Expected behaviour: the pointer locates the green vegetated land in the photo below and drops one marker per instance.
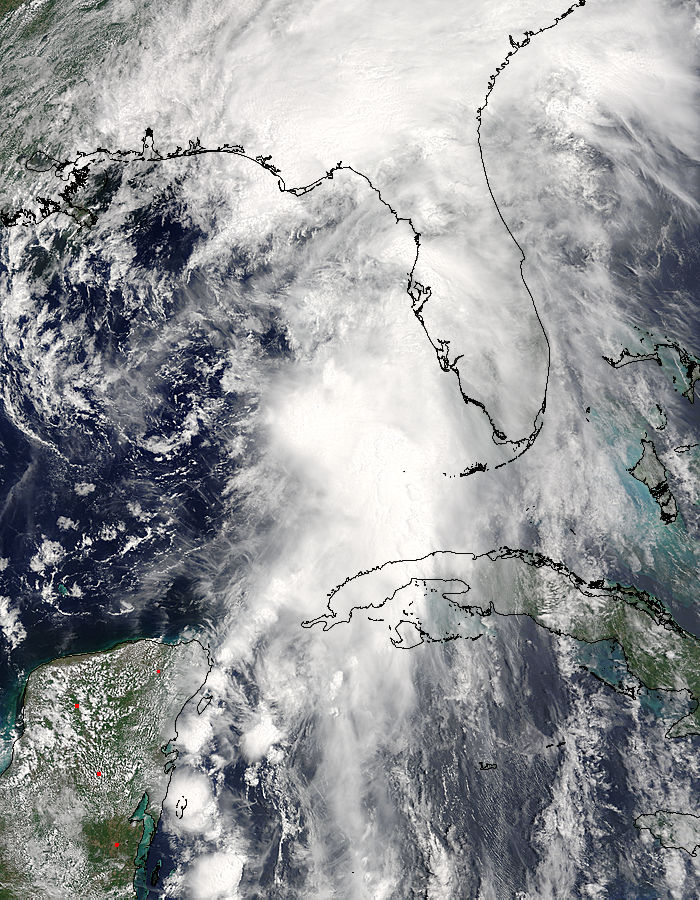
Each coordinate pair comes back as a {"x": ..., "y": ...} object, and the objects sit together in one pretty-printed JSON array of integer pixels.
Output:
[
  {"x": 90, "y": 772},
  {"x": 7, "y": 6},
  {"x": 448, "y": 595},
  {"x": 651, "y": 472},
  {"x": 674, "y": 830},
  {"x": 683, "y": 366}
]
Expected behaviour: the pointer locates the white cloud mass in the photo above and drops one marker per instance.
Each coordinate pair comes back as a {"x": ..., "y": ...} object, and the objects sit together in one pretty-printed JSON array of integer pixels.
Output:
[{"x": 310, "y": 763}]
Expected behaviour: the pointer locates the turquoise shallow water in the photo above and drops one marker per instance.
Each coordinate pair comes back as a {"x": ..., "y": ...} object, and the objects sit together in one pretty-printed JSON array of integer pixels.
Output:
[
  {"x": 606, "y": 661},
  {"x": 141, "y": 858},
  {"x": 12, "y": 693},
  {"x": 668, "y": 562}
]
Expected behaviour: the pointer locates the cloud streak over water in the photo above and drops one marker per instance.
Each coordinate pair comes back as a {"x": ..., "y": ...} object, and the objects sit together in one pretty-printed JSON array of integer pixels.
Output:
[{"x": 330, "y": 764}]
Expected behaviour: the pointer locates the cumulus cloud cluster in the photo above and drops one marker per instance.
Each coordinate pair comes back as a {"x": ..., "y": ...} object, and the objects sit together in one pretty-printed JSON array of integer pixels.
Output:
[{"x": 331, "y": 764}]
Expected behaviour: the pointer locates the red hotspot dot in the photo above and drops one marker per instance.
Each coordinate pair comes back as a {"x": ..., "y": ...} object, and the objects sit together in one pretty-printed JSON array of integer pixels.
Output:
[
  {"x": 99, "y": 773},
  {"x": 77, "y": 705},
  {"x": 157, "y": 671},
  {"x": 116, "y": 843}
]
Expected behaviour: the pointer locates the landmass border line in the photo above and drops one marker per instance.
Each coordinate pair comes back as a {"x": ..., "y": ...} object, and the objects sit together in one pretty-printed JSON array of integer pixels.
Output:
[
  {"x": 75, "y": 173},
  {"x": 19, "y": 719},
  {"x": 673, "y": 812},
  {"x": 516, "y": 46},
  {"x": 647, "y": 604}
]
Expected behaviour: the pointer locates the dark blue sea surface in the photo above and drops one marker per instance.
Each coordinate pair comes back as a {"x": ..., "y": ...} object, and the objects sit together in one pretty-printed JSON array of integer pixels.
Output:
[
  {"x": 661, "y": 283},
  {"x": 474, "y": 773},
  {"x": 130, "y": 482}
]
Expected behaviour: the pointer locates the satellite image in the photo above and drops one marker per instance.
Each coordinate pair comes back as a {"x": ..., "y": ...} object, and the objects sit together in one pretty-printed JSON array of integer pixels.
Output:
[{"x": 349, "y": 450}]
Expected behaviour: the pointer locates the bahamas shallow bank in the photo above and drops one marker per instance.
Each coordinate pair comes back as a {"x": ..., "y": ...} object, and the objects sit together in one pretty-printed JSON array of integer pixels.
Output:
[{"x": 218, "y": 404}]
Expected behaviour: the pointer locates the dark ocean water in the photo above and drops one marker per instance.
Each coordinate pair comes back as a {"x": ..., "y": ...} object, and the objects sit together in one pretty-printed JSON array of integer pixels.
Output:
[
  {"x": 157, "y": 588},
  {"x": 148, "y": 485},
  {"x": 657, "y": 271},
  {"x": 476, "y": 773}
]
